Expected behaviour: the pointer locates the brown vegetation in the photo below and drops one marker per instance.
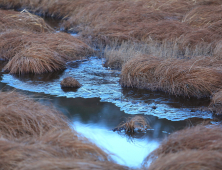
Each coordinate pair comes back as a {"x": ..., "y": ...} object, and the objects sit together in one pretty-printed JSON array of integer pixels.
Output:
[
  {"x": 203, "y": 16},
  {"x": 35, "y": 59},
  {"x": 189, "y": 160},
  {"x": 22, "y": 20},
  {"x": 21, "y": 116},
  {"x": 196, "y": 147},
  {"x": 70, "y": 82},
  {"x": 39, "y": 53},
  {"x": 216, "y": 103},
  {"x": 138, "y": 123},
  {"x": 197, "y": 77},
  {"x": 199, "y": 137},
  {"x": 34, "y": 136}
]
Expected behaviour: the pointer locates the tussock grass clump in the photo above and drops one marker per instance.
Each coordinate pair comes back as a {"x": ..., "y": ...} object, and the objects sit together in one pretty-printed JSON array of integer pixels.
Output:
[
  {"x": 23, "y": 20},
  {"x": 35, "y": 59},
  {"x": 136, "y": 123},
  {"x": 70, "y": 82},
  {"x": 199, "y": 137},
  {"x": 21, "y": 116},
  {"x": 197, "y": 77},
  {"x": 189, "y": 160},
  {"x": 39, "y": 53}
]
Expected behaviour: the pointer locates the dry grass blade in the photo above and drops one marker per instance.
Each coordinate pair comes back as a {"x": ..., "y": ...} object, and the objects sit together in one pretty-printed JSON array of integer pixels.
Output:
[{"x": 136, "y": 123}]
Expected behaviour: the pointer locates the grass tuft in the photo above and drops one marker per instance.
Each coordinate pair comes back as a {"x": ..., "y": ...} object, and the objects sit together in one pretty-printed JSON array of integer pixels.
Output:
[
  {"x": 198, "y": 77},
  {"x": 136, "y": 123},
  {"x": 70, "y": 82}
]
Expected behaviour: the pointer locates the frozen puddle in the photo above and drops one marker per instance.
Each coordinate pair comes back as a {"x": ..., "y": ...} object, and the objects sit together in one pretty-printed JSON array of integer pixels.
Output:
[{"x": 102, "y": 82}]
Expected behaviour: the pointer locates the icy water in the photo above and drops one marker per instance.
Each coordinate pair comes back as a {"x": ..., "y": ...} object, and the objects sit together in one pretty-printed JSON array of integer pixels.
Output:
[{"x": 101, "y": 104}]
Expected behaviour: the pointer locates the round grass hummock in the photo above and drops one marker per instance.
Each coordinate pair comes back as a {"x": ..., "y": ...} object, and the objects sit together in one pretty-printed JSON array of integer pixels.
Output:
[{"x": 70, "y": 82}]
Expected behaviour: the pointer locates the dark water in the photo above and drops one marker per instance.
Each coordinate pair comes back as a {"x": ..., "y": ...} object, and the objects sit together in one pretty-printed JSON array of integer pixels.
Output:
[{"x": 101, "y": 104}]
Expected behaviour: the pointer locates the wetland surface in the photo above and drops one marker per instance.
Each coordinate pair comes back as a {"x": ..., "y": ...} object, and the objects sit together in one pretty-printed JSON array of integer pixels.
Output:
[{"x": 101, "y": 104}]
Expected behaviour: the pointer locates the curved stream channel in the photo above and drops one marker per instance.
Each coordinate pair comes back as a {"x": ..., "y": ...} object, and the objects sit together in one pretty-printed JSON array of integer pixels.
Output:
[{"x": 101, "y": 104}]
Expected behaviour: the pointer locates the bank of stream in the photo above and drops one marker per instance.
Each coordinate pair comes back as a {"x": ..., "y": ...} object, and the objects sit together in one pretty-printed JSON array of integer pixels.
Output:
[{"x": 101, "y": 104}]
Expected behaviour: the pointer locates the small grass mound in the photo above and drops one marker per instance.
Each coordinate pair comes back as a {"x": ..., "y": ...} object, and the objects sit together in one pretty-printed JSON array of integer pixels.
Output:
[
  {"x": 136, "y": 123},
  {"x": 24, "y": 21},
  {"x": 199, "y": 137},
  {"x": 189, "y": 160},
  {"x": 39, "y": 53},
  {"x": 198, "y": 77},
  {"x": 35, "y": 59},
  {"x": 70, "y": 82}
]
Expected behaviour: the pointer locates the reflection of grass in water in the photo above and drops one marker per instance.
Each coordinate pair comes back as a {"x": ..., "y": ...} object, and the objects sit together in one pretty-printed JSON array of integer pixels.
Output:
[{"x": 138, "y": 123}]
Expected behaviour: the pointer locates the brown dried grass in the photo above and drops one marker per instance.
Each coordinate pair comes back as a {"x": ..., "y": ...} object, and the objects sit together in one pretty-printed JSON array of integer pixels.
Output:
[
  {"x": 216, "y": 104},
  {"x": 117, "y": 55},
  {"x": 52, "y": 8},
  {"x": 44, "y": 52},
  {"x": 197, "y": 77},
  {"x": 21, "y": 116},
  {"x": 217, "y": 98},
  {"x": 23, "y": 20},
  {"x": 195, "y": 138},
  {"x": 70, "y": 82},
  {"x": 138, "y": 123},
  {"x": 35, "y": 59},
  {"x": 189, "y": 160},
  {"x": 203, "y": 16},
  {"x": 199, "y": 37}
]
